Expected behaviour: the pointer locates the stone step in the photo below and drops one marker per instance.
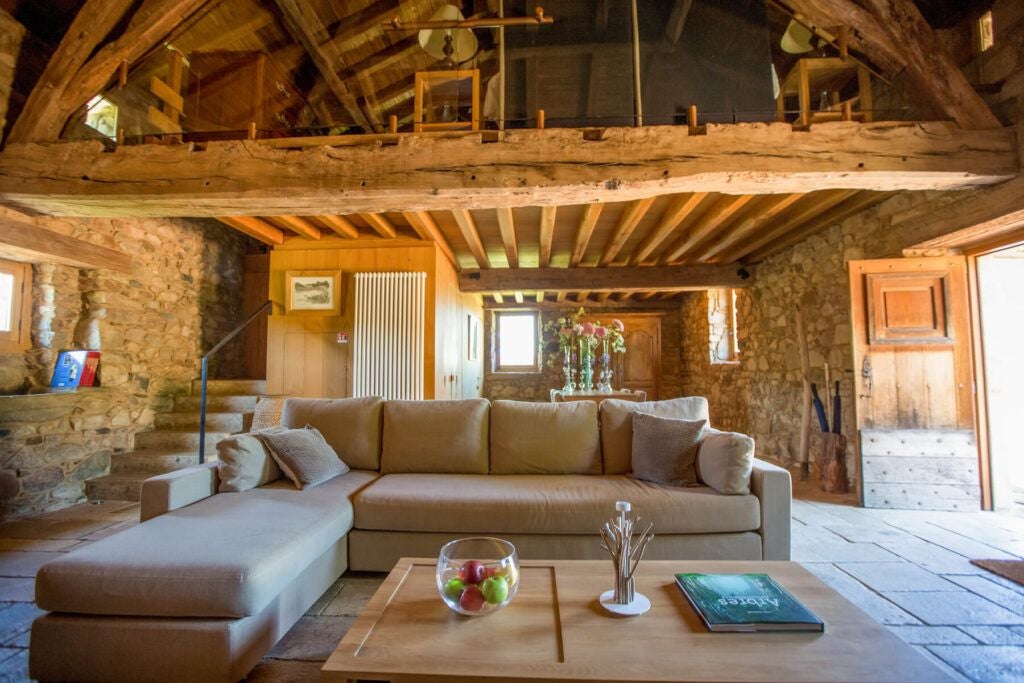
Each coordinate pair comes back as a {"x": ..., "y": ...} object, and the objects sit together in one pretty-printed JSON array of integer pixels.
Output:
[
  {"x": 126, "y": 487},
  {"x": 164, "y": 439},
  {"x": 215, "y": 422},
  {"x": 156, "y": 461},
  {"x": 233, "y": 387},
  {"x": 216, "y": 403}
]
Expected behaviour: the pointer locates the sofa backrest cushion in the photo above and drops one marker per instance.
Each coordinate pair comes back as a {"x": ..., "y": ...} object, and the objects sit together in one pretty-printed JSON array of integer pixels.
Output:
[
  {"x": 725, "y": 460},
  {"x": 617, "y": 425},
  {"x": 243, "y": 463},
  {"x": 350, "y": 425},
  {"x": 435, "y": 437},
  {"x": 545, "y": 438}
]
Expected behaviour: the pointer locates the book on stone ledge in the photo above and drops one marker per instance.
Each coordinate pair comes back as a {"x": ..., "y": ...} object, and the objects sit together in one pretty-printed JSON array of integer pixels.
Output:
[{"x": 746, "y": 602}]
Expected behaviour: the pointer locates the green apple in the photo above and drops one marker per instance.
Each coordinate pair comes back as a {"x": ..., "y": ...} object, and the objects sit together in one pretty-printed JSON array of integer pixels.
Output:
[
  {"x": 453, "y": 589},
  {"x": 495, "y": 589}
]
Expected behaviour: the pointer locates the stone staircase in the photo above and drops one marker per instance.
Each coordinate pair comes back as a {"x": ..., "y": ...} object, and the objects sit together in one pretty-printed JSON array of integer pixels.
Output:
[{"x": 174, "y": 443}]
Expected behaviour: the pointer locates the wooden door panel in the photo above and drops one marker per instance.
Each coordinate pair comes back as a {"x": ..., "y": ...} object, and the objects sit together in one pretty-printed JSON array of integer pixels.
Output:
[
  {"x": 639, "y": 369},
  {"x": 906, "y": 309}
]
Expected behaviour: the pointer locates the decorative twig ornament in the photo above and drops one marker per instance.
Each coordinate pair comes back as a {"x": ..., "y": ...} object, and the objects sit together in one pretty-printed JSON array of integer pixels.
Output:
[{"x": 626, "y": 553}]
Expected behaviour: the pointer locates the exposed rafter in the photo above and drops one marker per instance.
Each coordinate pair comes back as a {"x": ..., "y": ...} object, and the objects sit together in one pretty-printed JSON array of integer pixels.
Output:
[
  {"x": 301, "y": 226},
  {"x": 254, "y": 227},
  {"x": 610, "y": 279},
  {"x": 681, "y": 207},
  {"x": 426, "y": 227},
  {"x": 380, "y": 224},
  {"x": 341, "y": 225},
  {"x": 725, "y": 208},
  {"x": 467, "y": 226},
  {"x": 591, "y": 212},
  {"x": 631, "y": 217},
  {"x": 507, "y": 227},
  {"x": 767, "y": 210},
  {"x": 547, "y": 235}
]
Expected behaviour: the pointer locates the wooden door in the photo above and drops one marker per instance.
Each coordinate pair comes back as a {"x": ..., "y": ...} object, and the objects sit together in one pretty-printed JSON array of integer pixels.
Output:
[
  {"x": 639, "y": 369},
  {"x": 913, "y": 379}
]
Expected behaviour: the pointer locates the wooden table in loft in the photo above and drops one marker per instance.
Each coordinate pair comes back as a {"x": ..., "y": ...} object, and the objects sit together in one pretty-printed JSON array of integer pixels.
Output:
[
  {"x": 557, "y": 396},
  {"x": 826, "y": 75},
  {"x": 435, "y": 89}
]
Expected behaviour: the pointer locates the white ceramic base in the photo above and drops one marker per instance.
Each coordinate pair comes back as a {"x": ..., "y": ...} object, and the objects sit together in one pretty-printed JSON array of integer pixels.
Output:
[{"x": 639, "y": 605}]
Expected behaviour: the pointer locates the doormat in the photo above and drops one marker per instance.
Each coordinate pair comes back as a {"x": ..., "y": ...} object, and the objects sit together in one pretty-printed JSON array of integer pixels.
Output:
[{"x": 1009, "y": 569}]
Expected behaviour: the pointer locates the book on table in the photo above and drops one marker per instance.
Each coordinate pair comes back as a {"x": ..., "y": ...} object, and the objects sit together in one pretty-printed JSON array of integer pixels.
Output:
[{"x": 746, "y": 602}]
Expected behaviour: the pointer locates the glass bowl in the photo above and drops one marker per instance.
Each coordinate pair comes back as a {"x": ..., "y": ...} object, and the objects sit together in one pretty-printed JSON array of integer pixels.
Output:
[{"x": 477, "y": 576}]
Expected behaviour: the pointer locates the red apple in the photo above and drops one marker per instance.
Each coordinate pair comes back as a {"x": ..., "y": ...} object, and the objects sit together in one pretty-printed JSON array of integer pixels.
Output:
[
  {"x": 472, "y": 572},
  {"x": 472, "y": 599}
]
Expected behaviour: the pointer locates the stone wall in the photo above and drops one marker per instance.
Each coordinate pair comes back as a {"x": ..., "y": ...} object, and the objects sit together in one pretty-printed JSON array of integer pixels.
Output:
[
  {"x": 11, "y": 35},
  {"x": 537, "y": 386},
  {"x": 151, "y": 326}
]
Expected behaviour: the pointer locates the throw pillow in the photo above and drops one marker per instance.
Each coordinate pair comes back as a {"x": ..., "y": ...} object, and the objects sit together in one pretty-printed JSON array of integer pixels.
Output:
[
  {"x": 725, "y": 460},
  {"x": 243, "y": 463},
  {"x": 267, "y": 413},
  {"x": 665, "y": 449},
  {"x": 303, "y": 455}
]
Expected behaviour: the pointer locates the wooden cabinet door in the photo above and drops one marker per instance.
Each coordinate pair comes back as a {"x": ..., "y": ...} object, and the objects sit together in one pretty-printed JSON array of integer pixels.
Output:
[
  {"x": 639, "y": 369},
  {"x": 913, "y": 379}
]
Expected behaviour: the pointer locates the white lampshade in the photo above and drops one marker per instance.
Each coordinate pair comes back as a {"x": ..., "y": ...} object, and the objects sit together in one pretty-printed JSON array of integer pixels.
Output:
[
  {"x": 797, "y": 38},
  {"x": 463, "y": 40}
]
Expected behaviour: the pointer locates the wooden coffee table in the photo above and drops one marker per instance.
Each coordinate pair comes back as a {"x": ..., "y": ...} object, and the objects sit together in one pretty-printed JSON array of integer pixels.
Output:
[{"x": 555, "y": 629}]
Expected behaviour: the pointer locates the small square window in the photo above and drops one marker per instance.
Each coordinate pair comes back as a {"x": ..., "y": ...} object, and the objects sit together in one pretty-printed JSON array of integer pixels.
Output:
[
  {"x": 723, "y": 340},
  {"x": 15, "y": 306},
  {"x": 516, "y": 341},
  {"x": 985, "y": 32}
]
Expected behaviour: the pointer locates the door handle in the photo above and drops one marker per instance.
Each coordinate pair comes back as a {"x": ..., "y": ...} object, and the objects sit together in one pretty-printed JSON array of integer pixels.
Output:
[{"x": 866, "y": 375}]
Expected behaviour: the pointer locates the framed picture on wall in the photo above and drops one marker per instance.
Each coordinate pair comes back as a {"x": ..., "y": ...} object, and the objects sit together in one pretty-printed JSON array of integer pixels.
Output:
[
  {"x": 314, "y": 292},
  {"x": 472, "y": 338}
]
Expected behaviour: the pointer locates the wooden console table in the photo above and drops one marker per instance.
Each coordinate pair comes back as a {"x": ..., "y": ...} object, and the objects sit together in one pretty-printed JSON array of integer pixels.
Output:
[
  {"x": 597, "y": 396},
  {"x": 555, "y": 629}
]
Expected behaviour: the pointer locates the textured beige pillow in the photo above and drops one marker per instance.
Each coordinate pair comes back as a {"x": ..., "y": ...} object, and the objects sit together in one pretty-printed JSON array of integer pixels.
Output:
[
  {"x": 617, "y": 425},
  {"x": 303, "y": 455},
  {"x": 665, "y": 449},
  {"x": 350, "y": 425},
  {"x": 243, "y": 463},
  {"x": 545, "y": 438},
  {"x": 725, "y": 461},
  {"x": 267, "y": 413},
  {"x": 435, "y": 436}
]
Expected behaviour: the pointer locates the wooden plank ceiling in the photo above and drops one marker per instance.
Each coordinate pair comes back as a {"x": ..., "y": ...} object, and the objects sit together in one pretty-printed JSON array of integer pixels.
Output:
[{"x": 667, "y": 230}]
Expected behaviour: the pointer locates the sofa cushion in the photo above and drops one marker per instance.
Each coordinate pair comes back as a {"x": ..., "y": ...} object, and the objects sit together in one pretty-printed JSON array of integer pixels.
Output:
[
  {"x": 243, "y": 463},
  {"x": 665, "y": 449},
  {"x": 545, "y": 438},
  {"x": 435, "y": 436},
  {"x": 226, "y": 556},
  {"x": 350, "y": 425},
  {"x": 725, "y": 460},
  {"x": 543, "y": 504},
  {"x": 617, "y": 425},
  {"x": 303, "y": 455}
]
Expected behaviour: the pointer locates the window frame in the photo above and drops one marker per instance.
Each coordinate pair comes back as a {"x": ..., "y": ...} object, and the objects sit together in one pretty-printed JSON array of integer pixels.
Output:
[
  {"x": 19, "y": 337},
  {"x": 517, "y": 369},
  {"x": 726, "y": 298}
]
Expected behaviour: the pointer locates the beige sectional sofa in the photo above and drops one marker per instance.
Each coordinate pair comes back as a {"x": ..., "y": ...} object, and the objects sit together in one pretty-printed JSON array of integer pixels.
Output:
[{"x": 210, "y": 581}]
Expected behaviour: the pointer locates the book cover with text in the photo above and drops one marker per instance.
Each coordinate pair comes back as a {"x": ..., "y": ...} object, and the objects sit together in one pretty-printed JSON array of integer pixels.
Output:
[{"x": 746, "y": 602}]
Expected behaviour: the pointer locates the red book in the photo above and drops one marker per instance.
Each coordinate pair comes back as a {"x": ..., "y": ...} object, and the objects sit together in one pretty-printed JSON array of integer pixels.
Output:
[{"x": 92, "y": 361}]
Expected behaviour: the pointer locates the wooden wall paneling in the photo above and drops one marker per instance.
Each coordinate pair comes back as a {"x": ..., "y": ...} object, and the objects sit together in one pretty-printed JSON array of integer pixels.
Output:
[{"x": 256, "y": 290}]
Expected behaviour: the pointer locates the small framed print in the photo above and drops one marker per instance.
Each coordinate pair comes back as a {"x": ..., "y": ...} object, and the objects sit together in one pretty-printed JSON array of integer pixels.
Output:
[{"x": 313, "y": 292}]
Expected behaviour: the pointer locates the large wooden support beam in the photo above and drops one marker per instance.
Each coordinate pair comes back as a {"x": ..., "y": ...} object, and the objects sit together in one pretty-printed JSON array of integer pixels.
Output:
[
  {"x": 565, "y": 304},
  {"x": 25, "y": 241},
  {"x": 610, "y": 279},
  {"x": 524, "y": 168}
]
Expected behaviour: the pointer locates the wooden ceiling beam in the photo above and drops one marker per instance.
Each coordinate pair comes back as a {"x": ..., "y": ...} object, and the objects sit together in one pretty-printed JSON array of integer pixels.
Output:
[
  {"x": 518, "y": 296},
  {"x": 632, "y": 214},
  {"x": 610, "y": 279},
  {"x": 24, "y": 240},
  {"x": 300, "y": 226},
  {"x": 340, "y": 225},
  {"x": 254, "y": 227},
  {"x": 305, "y": 28},
  {"x": 525, "y": 168},
  {"x": 721, "y": 211},
  {"x": 588, "y": 219},
  {"x": 547, "y": 235},
  {"x": 380, "y": 224},
  {"x": 498, "y": 298},
  {"x": 676, "y": 212},
  {"x": 560, "y": 296},
  {"x": 507, "y": 227},
  {"x": 540, "y": 297},
  {"x": 467, "y": 226},
  {"x": 603, "y": 296},
  {"x": 767, "y": 210},
  {"x": 591, "y": 304},
  {"x": 582, "y": 296},
  {"x": 426, "y": 227}
]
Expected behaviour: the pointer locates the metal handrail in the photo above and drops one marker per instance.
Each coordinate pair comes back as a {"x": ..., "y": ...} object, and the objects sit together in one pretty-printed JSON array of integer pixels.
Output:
[{"x": 205, "y": 366}]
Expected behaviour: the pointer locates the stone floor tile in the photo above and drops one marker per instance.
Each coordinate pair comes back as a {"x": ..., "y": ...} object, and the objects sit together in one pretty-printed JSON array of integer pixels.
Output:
[
  {"x": 953, "y": 608},
  {"x": 994, "y": 635},
  {"x": 932, "y": 635},
  {"x": 117, "y": 527},
  {"x": 812, "y": 515},
  {"x": 874, "y": 604},
  {"x": 995, "y": 592},
  {"x": 20, "y": 640},
  {"x": 15, "y": 563},
  {"x": 895, "y": 576},
  {"x": 1004, "y": 582},
  {"x": 286, "y": 671},
  {"x": 17, "y": 590},
  {"x": 17, "y": 618},
  {"x": 15, "y": 669},
  {"x": 8, "y": 652},
  {"x": 66, "y": 529},
  {"x": 818, "y": 544},
  {"x": 856, "y": 533},
  {"x": 88, "y": 510},
  {"x": 931, "y": 557},
  {"x": 949, "y": 671},
  {"x": 1018, "y": 629},
  {"x": 128, "y": 513},
  {"x": 954, "y": 541},
  {"x": 328, "y": 595},
  {"x": 312, "y": 638},
  {"x": 355, "y": 593},
  {"x": 987, "y": 663},
  {"x": 43, "y": 544}
]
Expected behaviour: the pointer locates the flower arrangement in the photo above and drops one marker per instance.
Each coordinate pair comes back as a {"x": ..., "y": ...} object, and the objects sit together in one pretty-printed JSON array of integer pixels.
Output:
[{"x": 577, "y": 341}]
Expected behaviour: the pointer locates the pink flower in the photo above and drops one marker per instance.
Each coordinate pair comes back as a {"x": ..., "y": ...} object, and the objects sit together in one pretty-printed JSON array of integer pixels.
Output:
[
  {"x": 600, "y": 332},
  {"x": 588, "y": 329},
  {"x": 577, "y": 329},
  {"x": 565, "y": 331},
  {"x": 617, "y": 324}
]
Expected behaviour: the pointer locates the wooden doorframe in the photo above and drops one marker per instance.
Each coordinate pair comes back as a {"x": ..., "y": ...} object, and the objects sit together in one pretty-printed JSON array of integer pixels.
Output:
[{"x": 981, "y": 423}]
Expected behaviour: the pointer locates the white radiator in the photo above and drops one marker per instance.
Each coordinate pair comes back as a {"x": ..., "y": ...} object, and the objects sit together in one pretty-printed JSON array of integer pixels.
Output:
[{"x": 388, "y": 339}]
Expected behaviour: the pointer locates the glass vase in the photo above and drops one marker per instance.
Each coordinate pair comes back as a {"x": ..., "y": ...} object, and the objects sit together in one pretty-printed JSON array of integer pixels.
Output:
[
  {"x": 586, "y": 367},
  {"x": 569, "y": 385}
]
